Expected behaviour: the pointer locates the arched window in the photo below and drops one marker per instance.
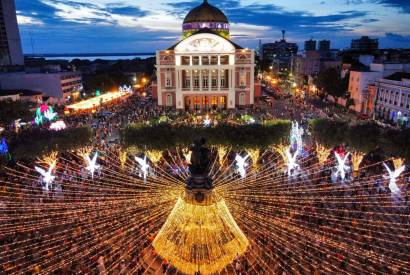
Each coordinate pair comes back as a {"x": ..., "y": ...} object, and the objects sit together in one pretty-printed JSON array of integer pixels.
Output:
[
  {"x": 169, "y": 100},
  {"x": 242, "y": 100}
]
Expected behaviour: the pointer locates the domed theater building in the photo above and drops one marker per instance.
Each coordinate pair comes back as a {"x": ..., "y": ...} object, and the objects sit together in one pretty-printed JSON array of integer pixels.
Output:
[{"x": 205, "y": 70}]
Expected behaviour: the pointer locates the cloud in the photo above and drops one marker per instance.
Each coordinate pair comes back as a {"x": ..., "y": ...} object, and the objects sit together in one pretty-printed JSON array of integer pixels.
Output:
[
  {"x": 402, "y": 5},
  {"x": 27, "y": 20}
]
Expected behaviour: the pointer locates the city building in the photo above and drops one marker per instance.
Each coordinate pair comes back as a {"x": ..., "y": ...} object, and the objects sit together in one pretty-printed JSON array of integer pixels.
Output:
[
  {"x": 324, "y": 45},
  {"x": 10, "y": 44},
  {"x": 310, "y": 45},
  {"x": 63, "y": 86},
  {"x": 358, "y": 88},
  {"x": 279, "y": 54},
  {"x": 365, "y": 43},
  {"x": 361, "y": 79},
  {"x": 23, "y": 95},
  {"x": 393, "y": 98},
  {"x": 205, "y": 70}
]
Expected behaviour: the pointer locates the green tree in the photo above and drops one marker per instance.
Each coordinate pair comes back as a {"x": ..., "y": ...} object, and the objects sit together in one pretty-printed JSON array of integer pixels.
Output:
[
  {"x": 13, "y": 110},
  {"x": 330, "y": 82}
]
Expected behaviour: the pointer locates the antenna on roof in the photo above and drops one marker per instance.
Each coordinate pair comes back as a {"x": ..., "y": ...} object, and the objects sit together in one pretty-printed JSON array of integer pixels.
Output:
[{"x": 283, "y": 35}]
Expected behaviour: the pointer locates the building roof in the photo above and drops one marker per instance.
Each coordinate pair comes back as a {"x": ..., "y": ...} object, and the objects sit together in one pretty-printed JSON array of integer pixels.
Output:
[
  {"x": 206, "y": 30},
  {"x": 205, "y": 13},
  {"x": 21, "y": 92},
  {"x": 399, "y": 76}
]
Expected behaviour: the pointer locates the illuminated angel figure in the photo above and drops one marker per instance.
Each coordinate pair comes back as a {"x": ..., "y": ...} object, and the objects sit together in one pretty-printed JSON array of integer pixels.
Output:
[
  {"x": 392, "y": 177},
  {"x": 342, "y": 168},
  {"x": 143, "y": 165},
  {"x": 291, "y": 162},
  {"x": 296, "y": 135},
  {"x": 50, "y": 115},
  {"x": 241, "y": 165},
  {"x": 92, "y": 164},
  {"x": 207, "y": 122},
  {"x": 47, "y": 177}
]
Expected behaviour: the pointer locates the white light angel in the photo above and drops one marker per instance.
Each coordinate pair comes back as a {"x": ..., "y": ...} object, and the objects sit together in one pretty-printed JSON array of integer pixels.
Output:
[
  {"x": 143, "y": 165},
  {"x": 47, "y": 177},
  {"x": 50, "y": 115},
  {"x": 207, "y": 122},
  {"x": 342, "y": 168},
  {"x": 392, "y": 177},
  {"x": 92, "y": 164},
  {"x": 291, "y": 162},
  {"x": 241, "y": 165},
  {"x": 296, "y": 136}
]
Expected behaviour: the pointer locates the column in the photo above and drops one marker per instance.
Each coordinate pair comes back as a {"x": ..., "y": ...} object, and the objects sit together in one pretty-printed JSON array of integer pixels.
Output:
[
  {"x": 192, "y": 79},
  {"x": 177, "y": 79},
  {"x": 219, "y": 78},
  {"x": 200, "y": 80},
  {"x": 209, "y": 79}
]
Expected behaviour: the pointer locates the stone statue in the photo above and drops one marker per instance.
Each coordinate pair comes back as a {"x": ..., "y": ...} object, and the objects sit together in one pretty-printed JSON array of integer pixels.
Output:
[{"x": 200, "y": 166}]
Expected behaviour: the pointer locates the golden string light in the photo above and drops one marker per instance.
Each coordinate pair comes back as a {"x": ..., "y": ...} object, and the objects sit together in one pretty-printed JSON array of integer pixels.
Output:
[
  {"x": 322, "y": 153},
  {"x": 264, "y": 223}
]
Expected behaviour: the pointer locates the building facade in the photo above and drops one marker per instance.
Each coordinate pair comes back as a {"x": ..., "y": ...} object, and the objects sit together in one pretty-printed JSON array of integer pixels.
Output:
[
  {"x": 205, "y": 70},
  {"x": 393, "y": 98},
  {"x": 60, "y": 85},
  {"x": 10, "y": 44},
  {"x": 279, "y": 54},
  {"x": 365, "y": 43}
]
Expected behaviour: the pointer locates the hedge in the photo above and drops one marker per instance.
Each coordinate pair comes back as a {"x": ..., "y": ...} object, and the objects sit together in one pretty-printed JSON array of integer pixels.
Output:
[
  {"x": 33, "y": 143},
  {"x": 362, "y": 136},
  {"x": 165, "y": 136}
]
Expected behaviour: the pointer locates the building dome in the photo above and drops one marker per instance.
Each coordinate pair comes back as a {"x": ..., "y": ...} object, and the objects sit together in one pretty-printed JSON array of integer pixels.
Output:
[
  {"x": 205, "y": 13},
  {"x": 206, "y": 16}
]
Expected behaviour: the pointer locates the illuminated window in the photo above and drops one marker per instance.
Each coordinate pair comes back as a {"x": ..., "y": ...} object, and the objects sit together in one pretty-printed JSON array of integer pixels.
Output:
[
  {"x": 195, "y": 60},
  {"x": 185, "y": 60},
  {"x": 187, "y": 79},
  {"x": 242, "y": 99},
  {"x": 242, "y": 78},
  {"x": 196, "y": 79},
  {"x": 214, "y": 79},
  {"x": 223, "y": 79},
  {"x": 225, "y": 60},
  {"x": 205, "y": 80},
  {"x": 168, "y": 79},
  {"x": 205, "y": 60},
  {"x": 169, "y": 100},
  {"x": 214, "y": 60}
]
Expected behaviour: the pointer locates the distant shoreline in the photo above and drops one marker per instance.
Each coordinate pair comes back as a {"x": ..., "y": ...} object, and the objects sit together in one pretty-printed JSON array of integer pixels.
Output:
[{"x": 45, "y": 55}]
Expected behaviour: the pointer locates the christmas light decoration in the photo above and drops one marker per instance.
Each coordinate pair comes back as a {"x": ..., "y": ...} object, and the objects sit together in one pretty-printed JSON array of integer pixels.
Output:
[
  {"x": 392, "y": 177},
  {"x": 296, "y": 137},
  {"x": 342, "y": 167},
  {"x": 154, "y": 155},
  {"x": 322, "y": 153},
  {"x": 357, "y": 158},
  {"x": 4, "y": 148},
  {"x": 125, "y": 89},
  {"x": 291, "y": 164},
  {"x": 47, "y": 177},
  {"x": 143, "y": 165},
  {"x": 200, "y": 237},
  {"x": 92, "y": 165},
  {"x": 241, "y": 165},
  {"x": 58, "y": 125},
  {"x": 222, "y": 151},
  {"x": 50, "y": 114},
  {"x": 254, "y": 154},
  {"x": 207, "y": 122}
]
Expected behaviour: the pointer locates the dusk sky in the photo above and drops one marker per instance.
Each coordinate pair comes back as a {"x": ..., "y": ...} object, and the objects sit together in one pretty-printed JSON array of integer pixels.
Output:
[{"x": 57, "y": 26}]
